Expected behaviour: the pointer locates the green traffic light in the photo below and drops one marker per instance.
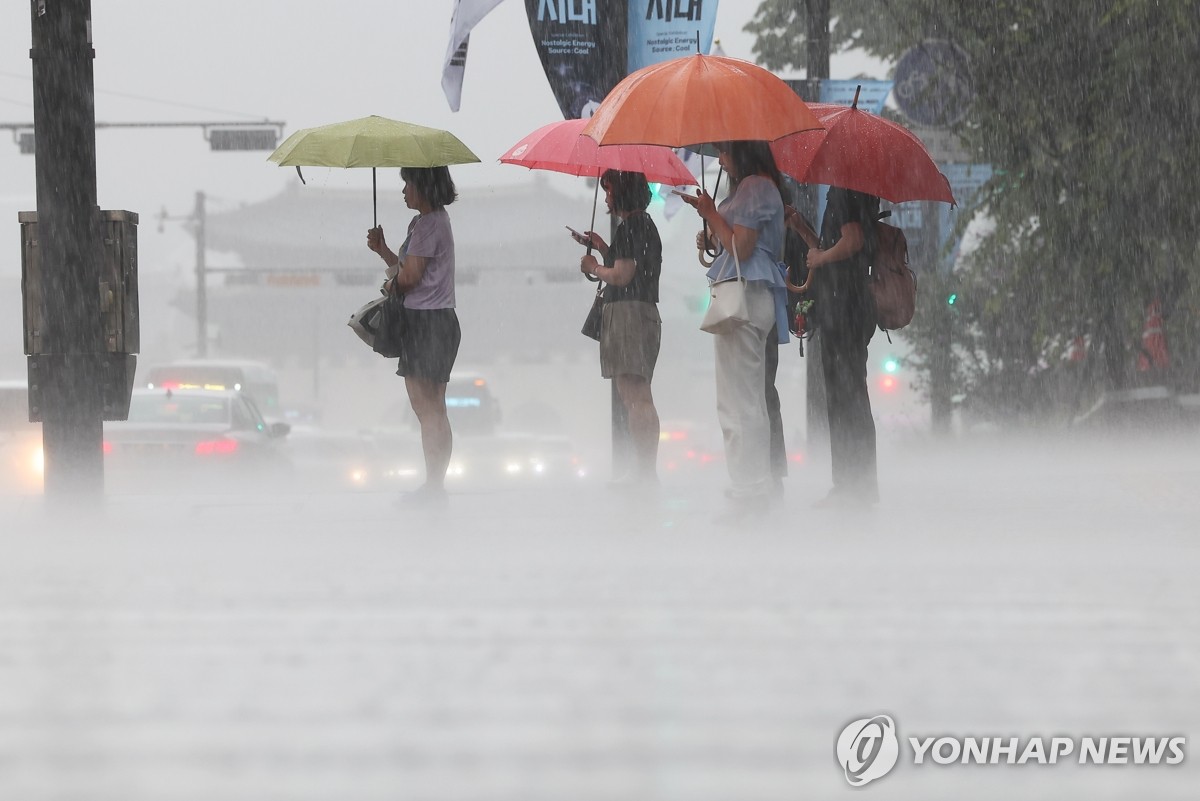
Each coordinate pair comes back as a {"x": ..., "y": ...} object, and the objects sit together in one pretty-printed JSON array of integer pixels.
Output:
[
  {"x": 950, "y": 301},
  {"x": 891, "y": 364}
]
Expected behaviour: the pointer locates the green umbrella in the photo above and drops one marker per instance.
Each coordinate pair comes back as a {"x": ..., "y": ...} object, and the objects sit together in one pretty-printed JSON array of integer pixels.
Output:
[{"x": 371, "y": 142}]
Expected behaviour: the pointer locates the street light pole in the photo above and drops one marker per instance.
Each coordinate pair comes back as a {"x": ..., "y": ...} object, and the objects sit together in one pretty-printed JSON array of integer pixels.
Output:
[
  {"x": 201, "y": 218},
  {"x": 67, "y": 372},
  {"x": 817, "y": 51}
]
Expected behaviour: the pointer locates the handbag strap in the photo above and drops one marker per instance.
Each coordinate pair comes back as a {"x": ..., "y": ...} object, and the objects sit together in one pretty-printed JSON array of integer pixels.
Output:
[{"x": 737, "y": 263}]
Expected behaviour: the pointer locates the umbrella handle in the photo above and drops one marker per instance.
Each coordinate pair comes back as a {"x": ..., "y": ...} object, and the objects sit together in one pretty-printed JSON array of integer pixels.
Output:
[
  {"x": 712, "y": 252},
  {"x": 799, "y": 290}
]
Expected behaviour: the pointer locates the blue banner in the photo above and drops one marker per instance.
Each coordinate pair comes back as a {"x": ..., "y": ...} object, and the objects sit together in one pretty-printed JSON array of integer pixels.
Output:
[
  {"x": 660, "y": 30},
  {"x": 871, "y": 99}
]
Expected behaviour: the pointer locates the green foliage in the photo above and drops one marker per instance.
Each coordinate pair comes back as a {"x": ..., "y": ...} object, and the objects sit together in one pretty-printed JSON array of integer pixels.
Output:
[{"x": 1087, "y": 111}]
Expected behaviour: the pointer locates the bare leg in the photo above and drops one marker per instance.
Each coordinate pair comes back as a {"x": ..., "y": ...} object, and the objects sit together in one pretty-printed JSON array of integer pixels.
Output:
[
  {"x": 643, "y": 421},
  {"x": 428, "y": 399}
]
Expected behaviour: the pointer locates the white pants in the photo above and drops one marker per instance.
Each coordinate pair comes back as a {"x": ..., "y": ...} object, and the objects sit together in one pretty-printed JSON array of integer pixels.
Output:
[{"x": 741, "y": 394}]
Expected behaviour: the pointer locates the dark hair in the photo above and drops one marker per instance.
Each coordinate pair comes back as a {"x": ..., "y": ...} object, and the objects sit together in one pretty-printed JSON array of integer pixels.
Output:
[
  {"x": 752, "y": 158},
  {"x": 434, "y": 184},
  {"x": 629, "y": 190}
]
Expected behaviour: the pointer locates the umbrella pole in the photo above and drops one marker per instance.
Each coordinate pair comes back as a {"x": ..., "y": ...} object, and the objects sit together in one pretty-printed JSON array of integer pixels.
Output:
[
  {"x": 595, "y": 202},
  {"x": 374, "y": 201}
]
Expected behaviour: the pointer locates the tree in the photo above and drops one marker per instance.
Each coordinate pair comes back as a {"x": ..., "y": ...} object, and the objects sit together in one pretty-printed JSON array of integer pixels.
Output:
[{"x": 1086, "y": 110}]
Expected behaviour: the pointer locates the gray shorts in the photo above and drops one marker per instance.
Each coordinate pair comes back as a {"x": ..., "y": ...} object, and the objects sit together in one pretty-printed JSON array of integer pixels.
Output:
[{"x": 630, "y": 336}]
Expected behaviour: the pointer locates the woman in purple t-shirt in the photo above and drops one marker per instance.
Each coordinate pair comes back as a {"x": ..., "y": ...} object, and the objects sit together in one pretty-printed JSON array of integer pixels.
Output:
[{"x": 423, "y": 270}]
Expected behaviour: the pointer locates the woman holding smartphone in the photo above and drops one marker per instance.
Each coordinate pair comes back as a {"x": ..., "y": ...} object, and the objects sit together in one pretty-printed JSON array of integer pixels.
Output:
[
  {"x": 630, "y": 327},
  {"x": 749, "y": 222}
]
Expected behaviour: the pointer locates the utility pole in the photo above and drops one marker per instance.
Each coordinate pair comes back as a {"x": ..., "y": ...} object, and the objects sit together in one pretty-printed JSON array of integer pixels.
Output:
[
  {"x": 941, "y": 364},
  {"x": 201, "y": 218},
  {"x": 817, "y": 49},
  {"x": 68, "y": 371}
]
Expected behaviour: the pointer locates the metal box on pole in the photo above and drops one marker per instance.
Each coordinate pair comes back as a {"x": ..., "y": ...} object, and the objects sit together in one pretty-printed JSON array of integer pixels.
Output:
[{"x": 115, "y": 361}]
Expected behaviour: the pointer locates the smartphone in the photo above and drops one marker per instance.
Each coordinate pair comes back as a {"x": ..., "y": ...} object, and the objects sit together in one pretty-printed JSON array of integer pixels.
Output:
[
  {"x": 681, "y": 193},
  {"x": 575, "y": 233}
]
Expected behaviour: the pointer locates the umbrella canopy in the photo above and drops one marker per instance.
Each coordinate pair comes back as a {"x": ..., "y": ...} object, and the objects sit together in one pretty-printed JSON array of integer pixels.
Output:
[
  {"x": 562, "y": 147},
  {"x": 699, "y": 98},
  {"x": 372, "y": 142},
  {"x": 863, "y": 152}
]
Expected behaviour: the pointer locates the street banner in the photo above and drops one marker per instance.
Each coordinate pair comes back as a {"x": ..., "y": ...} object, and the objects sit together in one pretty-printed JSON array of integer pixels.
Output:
[
  {"x": 467, "y": 14},
  {"x": 582, "y": 46},
  {"x": 588, "y": 46},
  {"x": 664, "y": 29},
  {"x": 871, "y": 99}
]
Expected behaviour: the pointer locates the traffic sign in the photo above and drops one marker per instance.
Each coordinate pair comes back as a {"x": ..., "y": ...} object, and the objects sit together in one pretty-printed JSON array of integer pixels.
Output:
[{"x": 933, "y": 83}]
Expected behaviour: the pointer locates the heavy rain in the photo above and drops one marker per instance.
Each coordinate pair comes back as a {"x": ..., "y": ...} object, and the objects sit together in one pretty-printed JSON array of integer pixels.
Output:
[{"x": 234, "y": 586}]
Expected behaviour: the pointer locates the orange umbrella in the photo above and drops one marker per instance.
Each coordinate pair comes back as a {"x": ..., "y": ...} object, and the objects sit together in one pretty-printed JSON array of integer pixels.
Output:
[{"x": 696, "y": 99}]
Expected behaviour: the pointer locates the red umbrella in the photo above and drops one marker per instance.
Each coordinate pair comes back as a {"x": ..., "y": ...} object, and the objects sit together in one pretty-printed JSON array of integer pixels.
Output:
[
  {"x": 863, "y": 152},
  {"x": 562, "y": 147}
]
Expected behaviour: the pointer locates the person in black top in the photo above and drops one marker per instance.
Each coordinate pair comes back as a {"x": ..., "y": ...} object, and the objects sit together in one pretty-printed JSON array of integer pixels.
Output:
[
  {"x": 844, "y": 314},
  {"x": 630, "y": 328}
]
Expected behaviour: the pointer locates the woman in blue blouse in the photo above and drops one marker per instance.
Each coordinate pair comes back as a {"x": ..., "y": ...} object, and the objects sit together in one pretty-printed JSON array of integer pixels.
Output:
[{"x": 750, "y": 223}]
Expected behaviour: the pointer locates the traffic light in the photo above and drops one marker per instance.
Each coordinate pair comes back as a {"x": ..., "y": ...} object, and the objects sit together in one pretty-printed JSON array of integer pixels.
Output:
[
  {"x": 888, "y": 382},
  {"x": 952, "y": 298},
  {"x": 243, "y": 138}
]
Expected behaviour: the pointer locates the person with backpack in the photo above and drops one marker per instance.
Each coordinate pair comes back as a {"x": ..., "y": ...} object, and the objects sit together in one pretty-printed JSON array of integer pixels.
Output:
[{"x": 844, "y": 315}]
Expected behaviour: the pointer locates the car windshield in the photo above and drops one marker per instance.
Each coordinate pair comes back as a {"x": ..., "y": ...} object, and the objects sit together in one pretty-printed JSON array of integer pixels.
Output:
[{"x": 179, "y": 410}]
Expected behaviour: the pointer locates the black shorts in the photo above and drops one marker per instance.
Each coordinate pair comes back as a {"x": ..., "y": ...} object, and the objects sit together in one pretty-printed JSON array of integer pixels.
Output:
[{"x": 431, "y": 338}]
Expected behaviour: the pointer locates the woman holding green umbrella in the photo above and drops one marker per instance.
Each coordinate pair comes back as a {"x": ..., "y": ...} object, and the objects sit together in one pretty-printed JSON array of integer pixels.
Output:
[{"x": 422, "y": 269}]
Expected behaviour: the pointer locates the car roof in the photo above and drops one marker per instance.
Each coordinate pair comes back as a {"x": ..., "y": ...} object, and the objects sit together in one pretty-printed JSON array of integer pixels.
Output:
[
  {"x": 251, "y": 369},
  {"x": 188, "y": 393},
  {"x": 214, "y": 363}
]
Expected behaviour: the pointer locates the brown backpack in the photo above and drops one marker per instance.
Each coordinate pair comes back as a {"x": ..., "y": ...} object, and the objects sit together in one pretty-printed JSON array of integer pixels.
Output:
[{"x": 892, "y": 283}]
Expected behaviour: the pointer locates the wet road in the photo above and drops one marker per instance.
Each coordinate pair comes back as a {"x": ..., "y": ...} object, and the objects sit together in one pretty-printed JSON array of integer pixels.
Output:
[{"x": 580, "y": 645}]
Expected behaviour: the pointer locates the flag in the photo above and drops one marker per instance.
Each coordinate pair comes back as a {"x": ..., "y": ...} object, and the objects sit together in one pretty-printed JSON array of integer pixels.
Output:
[{"x": 467, "y": 14}]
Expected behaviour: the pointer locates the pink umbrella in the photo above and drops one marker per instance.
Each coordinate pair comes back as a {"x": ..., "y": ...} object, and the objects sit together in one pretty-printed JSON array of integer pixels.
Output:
[{"x": 562, "y": 147}]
